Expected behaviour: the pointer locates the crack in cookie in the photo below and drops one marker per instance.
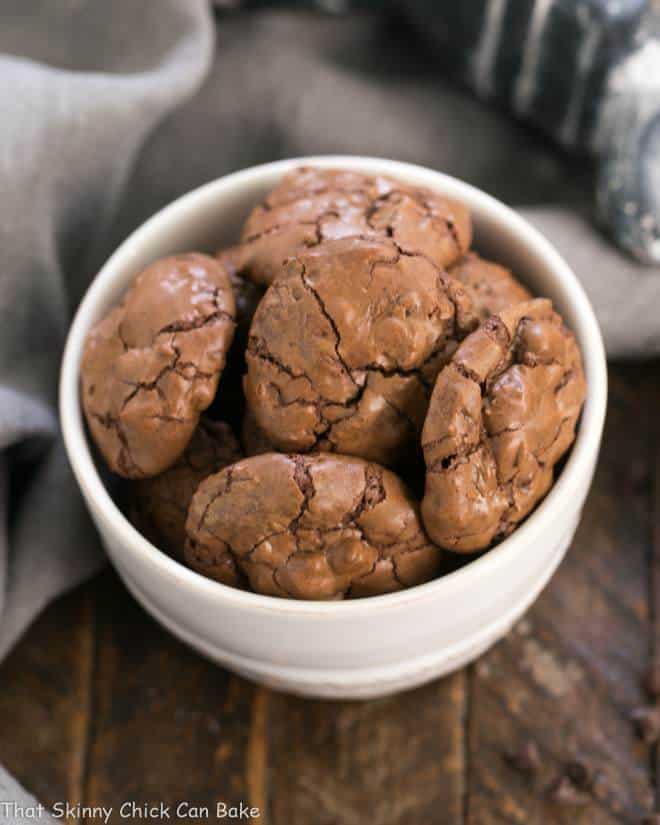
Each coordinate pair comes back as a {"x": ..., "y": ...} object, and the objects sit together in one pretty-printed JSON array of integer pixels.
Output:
[
  {"x": 345, "y": 345},
  {"x": 159, "y": 505},
  {"x": 491, "y": 287},
  {"x": 152, "y": 365},
  {"x": 311, "y": 527},
  {"x": 311, "y": 206},
  {"x": 502, "y": 414}
]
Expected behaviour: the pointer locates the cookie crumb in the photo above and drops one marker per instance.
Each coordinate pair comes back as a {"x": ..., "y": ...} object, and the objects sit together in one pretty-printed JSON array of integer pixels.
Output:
[
  {"x": 647, "y": 724},
  {"x": 527, "y": 760},
  {"x": 581, "y": 774},
  {"x": 563, "y": 791}
]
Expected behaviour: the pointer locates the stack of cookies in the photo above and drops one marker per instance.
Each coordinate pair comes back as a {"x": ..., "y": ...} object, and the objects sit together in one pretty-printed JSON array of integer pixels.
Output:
[{"x": 367, "y": 358}]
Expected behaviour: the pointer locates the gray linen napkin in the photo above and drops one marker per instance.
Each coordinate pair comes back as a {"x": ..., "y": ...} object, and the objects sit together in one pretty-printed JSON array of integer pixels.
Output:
[
  {"x": 71, "y": 126},
  {"x": 17, "y": 807},
  {"x": 83, "y": 84},
  {"x": 286, "y": 84}
]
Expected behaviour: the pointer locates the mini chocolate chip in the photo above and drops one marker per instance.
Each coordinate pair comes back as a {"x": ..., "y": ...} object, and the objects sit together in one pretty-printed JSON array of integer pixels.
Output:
[
  {"x": 647, "y": 723},
  {"x": 527, "y": 760},
  {"x": 563, "y": 791}
]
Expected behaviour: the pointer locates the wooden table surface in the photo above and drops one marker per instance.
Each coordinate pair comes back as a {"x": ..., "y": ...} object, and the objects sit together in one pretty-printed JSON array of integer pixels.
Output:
[{"x": 99, "y": 705}]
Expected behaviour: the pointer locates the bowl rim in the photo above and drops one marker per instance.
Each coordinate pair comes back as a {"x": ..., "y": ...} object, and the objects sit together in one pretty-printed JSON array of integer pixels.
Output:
[{"x": 544, "y": 517}]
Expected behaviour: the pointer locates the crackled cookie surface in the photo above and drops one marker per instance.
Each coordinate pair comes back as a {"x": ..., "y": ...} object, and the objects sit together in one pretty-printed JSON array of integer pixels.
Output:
[
  {"x": 152, "y": 365},
  {"x": 344, "y": 347},
  {"x": 313, "y": 205},
  {"x": 492, "y": 287},
  {"x": 502, "y": 413},
  {"x": 159, "y": 505},
  {"x": 310, "y": 527}
]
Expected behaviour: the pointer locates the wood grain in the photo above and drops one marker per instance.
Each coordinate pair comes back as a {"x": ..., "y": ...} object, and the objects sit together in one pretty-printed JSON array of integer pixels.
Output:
[
  {"x": 168, "y": 726},
  {"x": 256, "y": 767},
  {"x": 652, "y": 396},
  {"x": 391, "y": 761},
  {"x": 569, "y": 675},
  {"x": 45, "y": 692},
  {"x": 98, "y": 704}
]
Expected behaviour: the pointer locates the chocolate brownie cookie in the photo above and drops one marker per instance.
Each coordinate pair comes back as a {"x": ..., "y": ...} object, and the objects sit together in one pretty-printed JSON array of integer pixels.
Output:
[
  {"x": 341, "y": 346},
  {"x": 255, "y": 440},
  {"x": 247, "y": 294},
  {"x": 152, "y": 365},
  {"x": 313, "y": 205},
  {"x": 229, "y": 403},
  {"x": 491, "y": 287},
  {"x": 310, "y": 527},
  {"x": 159, "y": 505},
  {"x": 502, "y": 413}
]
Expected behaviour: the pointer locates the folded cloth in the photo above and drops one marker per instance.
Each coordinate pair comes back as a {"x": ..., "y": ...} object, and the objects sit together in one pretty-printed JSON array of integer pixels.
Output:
[
  {"x": 363, "y": 84},
  {"x": 18, "y": 807},
  {"x": 624, "y": 294},
  {"x": 84, "y": 84}
]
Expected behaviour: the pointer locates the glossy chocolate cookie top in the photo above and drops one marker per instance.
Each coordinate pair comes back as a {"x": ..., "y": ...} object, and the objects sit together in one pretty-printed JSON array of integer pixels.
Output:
[
  {"x": 310, "y": 527},
  {"x": 343, "y": 348},
  {"x": 502, "y": 413},
  {"x": 152, "y": 365},
  {"x": 492, "y": 288},
  {"x": 311, "y": 205}
]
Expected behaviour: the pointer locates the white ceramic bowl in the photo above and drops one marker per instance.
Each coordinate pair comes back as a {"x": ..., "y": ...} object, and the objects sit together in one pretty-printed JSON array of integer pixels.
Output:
[{"x": 367, "y": 647}]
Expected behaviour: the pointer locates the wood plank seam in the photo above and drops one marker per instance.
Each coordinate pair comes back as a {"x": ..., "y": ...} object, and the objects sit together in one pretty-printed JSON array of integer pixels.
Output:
[
  {"x": 257, "y": 753},
  {"x": 90, "y": 706},
  {"x": 468, "y": 685}
]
